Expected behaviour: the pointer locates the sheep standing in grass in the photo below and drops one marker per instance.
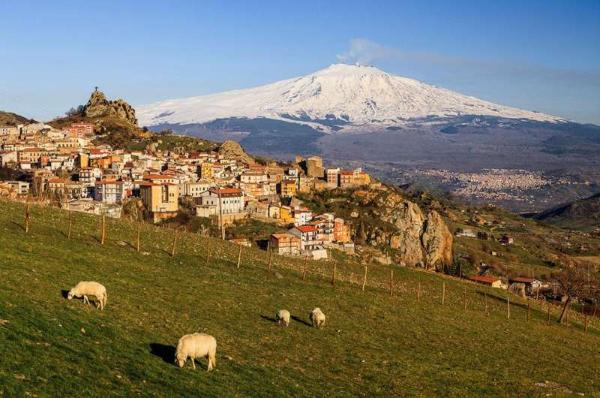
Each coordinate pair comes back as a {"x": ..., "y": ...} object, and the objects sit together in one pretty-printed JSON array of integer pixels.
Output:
[
  {"x": 85, "y": 289},
  {"x": 317, "y": 318},
  {"x": 196, "y": 345},
  {"x": 283, "y": 317}
]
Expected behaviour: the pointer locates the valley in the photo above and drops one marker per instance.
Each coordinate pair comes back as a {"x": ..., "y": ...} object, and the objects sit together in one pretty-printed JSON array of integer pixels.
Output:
[{"x": 403, "y": 131}]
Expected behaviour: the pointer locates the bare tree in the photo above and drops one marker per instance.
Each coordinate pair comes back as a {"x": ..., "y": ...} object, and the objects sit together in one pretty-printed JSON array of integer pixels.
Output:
[{"x": 574, "y": 282}]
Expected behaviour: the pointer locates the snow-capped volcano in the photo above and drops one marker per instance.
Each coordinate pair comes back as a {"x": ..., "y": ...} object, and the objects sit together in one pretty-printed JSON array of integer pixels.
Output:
[{"x": 351, "y": 94}]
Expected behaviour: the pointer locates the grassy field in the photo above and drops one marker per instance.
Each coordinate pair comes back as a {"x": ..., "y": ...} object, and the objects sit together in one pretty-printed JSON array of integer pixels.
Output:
[{"x": 374, "y": 343}]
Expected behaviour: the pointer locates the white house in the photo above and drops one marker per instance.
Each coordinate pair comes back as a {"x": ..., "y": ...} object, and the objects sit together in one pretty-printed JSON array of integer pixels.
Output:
[
  {"x": 109, "y": 191},
  {"x": 302, "y": 217},
  {"x": 89, "y": 175},
  {"x": 226, "y": 200},
  {"x": 20, "y": 187},
  {"x": 194, "y": 189},
  {"x": 307, "y": 235}
]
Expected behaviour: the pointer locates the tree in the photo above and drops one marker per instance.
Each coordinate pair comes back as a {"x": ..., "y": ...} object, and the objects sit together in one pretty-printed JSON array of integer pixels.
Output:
[
  {"x": 76, "y": 111},
  {"x": 575, "y": 282}
]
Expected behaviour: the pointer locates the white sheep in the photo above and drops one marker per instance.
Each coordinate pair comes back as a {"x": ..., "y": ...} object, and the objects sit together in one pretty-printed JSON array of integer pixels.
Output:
[
  {"x": 283, "y": 317},
  {"x": 196, "y": 345},
  {"x": 317, "y": 318},
  {"x": 85, "y": 289}
]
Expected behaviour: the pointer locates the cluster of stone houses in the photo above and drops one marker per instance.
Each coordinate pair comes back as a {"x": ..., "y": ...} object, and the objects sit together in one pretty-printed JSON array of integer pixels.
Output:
[
  {"x": 520, "y": 285},
  {"x": 65, "y": 164}
]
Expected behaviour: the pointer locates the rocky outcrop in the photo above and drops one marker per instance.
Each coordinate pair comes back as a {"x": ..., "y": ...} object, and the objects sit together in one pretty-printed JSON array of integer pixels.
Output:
[
  {"x": 98, "y": 106},
  {"x": 233, "y": 150},
  {"x": 437, "y": 240},
  {"x": 418, "y": 237},
  {"x": 385, "y": 219}
]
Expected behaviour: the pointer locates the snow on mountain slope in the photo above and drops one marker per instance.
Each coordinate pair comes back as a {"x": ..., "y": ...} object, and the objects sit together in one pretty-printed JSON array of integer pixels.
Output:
[{"x": 357, "y": 94}]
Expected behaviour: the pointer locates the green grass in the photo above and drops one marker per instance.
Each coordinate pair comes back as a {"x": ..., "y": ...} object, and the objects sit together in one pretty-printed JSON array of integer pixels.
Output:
[{"x": 373, "y": 344}]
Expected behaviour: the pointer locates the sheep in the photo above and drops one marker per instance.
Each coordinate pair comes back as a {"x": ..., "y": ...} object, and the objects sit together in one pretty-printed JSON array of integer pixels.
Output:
[
  {"x": 283, "y": 317},
  {"x": 317, "y": 318},
  {"x": 85, "y": 289},
  {"x": 196, "y": 345}
]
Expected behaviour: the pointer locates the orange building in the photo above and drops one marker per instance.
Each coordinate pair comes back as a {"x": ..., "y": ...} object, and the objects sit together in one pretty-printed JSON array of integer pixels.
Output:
[
  {"x": 341, "y": 231},
  {"x": 285, "y": 244},
  {"x": 81, "y": 129}
]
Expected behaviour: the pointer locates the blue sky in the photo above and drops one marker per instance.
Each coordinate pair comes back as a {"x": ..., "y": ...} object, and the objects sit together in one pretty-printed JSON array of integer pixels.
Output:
[{"x": 538, "y": 55}]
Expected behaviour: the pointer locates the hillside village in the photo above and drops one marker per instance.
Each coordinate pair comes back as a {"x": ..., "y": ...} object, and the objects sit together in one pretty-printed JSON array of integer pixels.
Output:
[
  {"x": 69, "y": 167},
  {"x": 80, "y": 164},
  {"x": 316, "y": 212}
]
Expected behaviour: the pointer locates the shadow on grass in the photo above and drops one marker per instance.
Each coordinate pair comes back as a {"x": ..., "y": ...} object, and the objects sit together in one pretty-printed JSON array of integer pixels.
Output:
[
  {"x": 165, "y": 352},
  {"x": 94, "y": 237},
  {"x": 19, "y": 225},
  {"x": 268, "y": 318},
  {"x": 302, "y": 321},
  {"x": 130, "y": 244},
  {"x": 500, "y": 299}
]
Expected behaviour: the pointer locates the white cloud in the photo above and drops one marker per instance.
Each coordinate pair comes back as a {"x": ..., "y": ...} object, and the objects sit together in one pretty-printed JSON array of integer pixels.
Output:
[{"x": 365, "y": 51}]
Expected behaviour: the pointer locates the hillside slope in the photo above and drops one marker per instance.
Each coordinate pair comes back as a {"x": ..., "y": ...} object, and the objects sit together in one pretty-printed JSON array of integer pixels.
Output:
[
  {"x": 580, "y": 214},
  {"x": 373, "y": 344},
  {"x": 12, "y": 119}
]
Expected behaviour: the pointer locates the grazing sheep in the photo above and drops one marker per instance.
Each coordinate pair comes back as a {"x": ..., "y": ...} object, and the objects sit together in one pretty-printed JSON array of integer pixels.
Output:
[
  {"x": 196, "y": 345},
  {"x": 85, "y": 289},
  {"x": 283, "y": 317},
  {"x": 317, "y": 318}
]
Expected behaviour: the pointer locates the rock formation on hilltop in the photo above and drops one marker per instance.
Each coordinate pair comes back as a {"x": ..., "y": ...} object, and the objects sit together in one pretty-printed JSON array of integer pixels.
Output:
[
  {"x": 384, "y": 219},
  {"x": 418, "y": 236},
  {"x": 99, "y": 106},
  {"x": 233, "y": 150}
]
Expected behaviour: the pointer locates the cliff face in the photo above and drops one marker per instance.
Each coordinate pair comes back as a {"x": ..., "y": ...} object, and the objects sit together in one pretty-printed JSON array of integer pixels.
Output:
[
  {"x": 418, "y": 237},
  {"x": 384, "y": 219},
  {"x": 99, "y": 106},
  {"x": 233, "y": 150}
]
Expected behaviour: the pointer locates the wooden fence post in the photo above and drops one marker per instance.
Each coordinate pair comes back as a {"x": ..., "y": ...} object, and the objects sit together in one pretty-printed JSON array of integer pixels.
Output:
[
  {"x": 333, "y": 273},
  {"x": 137, "y": 241},
  {"x": 70, "y": 225},
  {"x": 548, "y": 319},
  {"x": 465, "y": 298},
  {"x": 27, "y": 216},
  {"x": 174, "y": 244},
  {"x": 270, "y": 258},
  {"x": 419, "y": 291},
  {"x": 365, "y": 278},
  {"x": 507, "y": 307},
  {"x": 391, "y": 281},
  {"x": 207, "y": 256},
  {"x": 304, "y": 268},
  {"x": 486, "y": 303},
  {"x": 239, "y": 257},
  {"x": 585, "y": 320},
  {"x": 103, "y": 230},
  {"x": 443, "y": 292}
]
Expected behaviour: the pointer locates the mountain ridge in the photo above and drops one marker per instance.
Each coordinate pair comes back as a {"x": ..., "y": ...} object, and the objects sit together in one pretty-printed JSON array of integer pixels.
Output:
[
  {"x": 342, "y": 95},
  {"x": 579, "y": 214}
]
